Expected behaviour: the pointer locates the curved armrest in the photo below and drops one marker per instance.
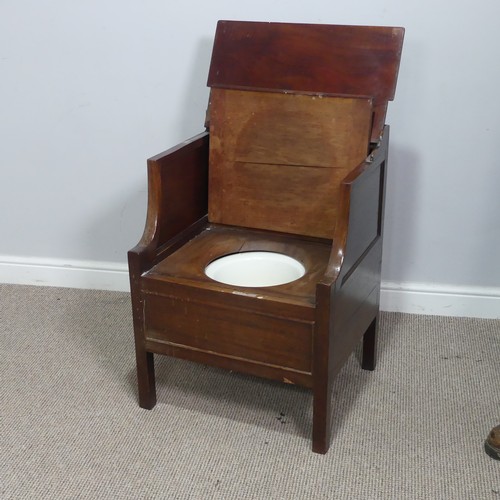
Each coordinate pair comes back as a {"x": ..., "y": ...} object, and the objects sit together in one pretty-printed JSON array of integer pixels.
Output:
[
  {"x": 177, "y": 198},
  {"x": 359, "y": 223}
]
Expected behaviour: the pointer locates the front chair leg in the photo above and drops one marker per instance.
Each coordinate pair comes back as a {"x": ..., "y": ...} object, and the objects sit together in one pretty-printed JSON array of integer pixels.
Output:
[
  {"x": 146, "y": 378},
  {"x": 321, "y": 415},
  {"x": 369, "y": 356}
]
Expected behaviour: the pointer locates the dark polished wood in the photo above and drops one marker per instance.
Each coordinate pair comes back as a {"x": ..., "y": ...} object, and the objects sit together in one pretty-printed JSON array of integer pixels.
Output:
[
  {"x": 300, "y": 332},
  {"x": 330, "y": 59},
  {"x": 177, "y": 204},
  {"x": 369, "y": 359}
]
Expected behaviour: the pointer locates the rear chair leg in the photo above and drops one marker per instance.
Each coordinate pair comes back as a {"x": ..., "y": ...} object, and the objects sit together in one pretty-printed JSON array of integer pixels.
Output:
[
  {"x": 146, "y": 378},
  {"x": 369, "y": 356}
]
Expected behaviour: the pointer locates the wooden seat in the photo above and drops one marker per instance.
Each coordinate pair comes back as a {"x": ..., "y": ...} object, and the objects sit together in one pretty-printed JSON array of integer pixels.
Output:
[
  {"x": 274, "y": 325},
  {"x": 288, "y": 166}
]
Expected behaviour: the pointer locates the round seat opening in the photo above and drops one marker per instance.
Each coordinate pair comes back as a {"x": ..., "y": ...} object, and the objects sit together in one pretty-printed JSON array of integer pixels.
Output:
[{"x": 255, "y": 269}]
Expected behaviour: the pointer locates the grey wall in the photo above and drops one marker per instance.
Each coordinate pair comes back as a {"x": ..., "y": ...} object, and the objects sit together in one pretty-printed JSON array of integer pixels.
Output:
[{"x": 89, "y": 90}]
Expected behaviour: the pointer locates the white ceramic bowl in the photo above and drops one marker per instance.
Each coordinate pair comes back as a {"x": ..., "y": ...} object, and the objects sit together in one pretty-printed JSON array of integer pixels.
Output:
[{"x": 255, "y": 269}]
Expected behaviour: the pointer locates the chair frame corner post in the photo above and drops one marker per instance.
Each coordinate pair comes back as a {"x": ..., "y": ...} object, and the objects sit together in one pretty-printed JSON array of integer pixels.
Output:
[
  {"x": 144, "y": 359},
  {"x": 140, "y": 259},
  {"x": 369, "y": 352},
  {"x": 370, "y": 337},
  {"x": 322, "y": 379}
]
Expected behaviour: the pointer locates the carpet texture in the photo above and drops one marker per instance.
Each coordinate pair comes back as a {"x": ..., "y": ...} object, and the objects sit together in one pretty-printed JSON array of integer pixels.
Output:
[{"x": 71, "y": 426}]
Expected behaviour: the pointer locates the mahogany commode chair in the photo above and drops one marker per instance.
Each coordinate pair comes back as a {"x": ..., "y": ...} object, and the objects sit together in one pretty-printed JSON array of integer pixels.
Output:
[{"x": 293, "y": 163}]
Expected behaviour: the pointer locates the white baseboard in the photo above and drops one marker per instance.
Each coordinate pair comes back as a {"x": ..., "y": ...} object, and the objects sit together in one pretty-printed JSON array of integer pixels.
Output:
[
  {"x": 69, "y": 274},
  {"x": 416, "y": 298},
  {"x": 441, "y": 300}
]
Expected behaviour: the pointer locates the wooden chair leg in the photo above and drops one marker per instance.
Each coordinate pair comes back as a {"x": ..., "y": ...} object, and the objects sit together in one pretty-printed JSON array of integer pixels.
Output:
[
  {"x": 369, "y": 356},
  {"x": 321, "y": 416},
  {"x": 146, "y": 378}
]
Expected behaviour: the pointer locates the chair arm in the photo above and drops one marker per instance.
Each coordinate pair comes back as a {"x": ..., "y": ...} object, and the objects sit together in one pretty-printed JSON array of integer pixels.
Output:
[
  {"x": 360, "y": 214},
  {"x": 177, "y": 198}
]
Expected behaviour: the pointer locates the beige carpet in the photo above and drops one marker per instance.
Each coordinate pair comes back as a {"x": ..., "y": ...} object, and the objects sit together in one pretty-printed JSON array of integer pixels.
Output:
[{"x": 71, "y": 427}]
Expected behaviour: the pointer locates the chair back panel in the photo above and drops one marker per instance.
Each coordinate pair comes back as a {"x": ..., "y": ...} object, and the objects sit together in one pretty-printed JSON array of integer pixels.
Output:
[
  {"x": 277, "y": 160},
  {"x": 332, "y": 59}
]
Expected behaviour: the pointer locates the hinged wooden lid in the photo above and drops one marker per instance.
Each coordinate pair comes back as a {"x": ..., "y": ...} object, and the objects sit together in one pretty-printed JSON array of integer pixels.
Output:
[
  {"x": 277, "y": 160},
  {"x": 318, "y": 58}
]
